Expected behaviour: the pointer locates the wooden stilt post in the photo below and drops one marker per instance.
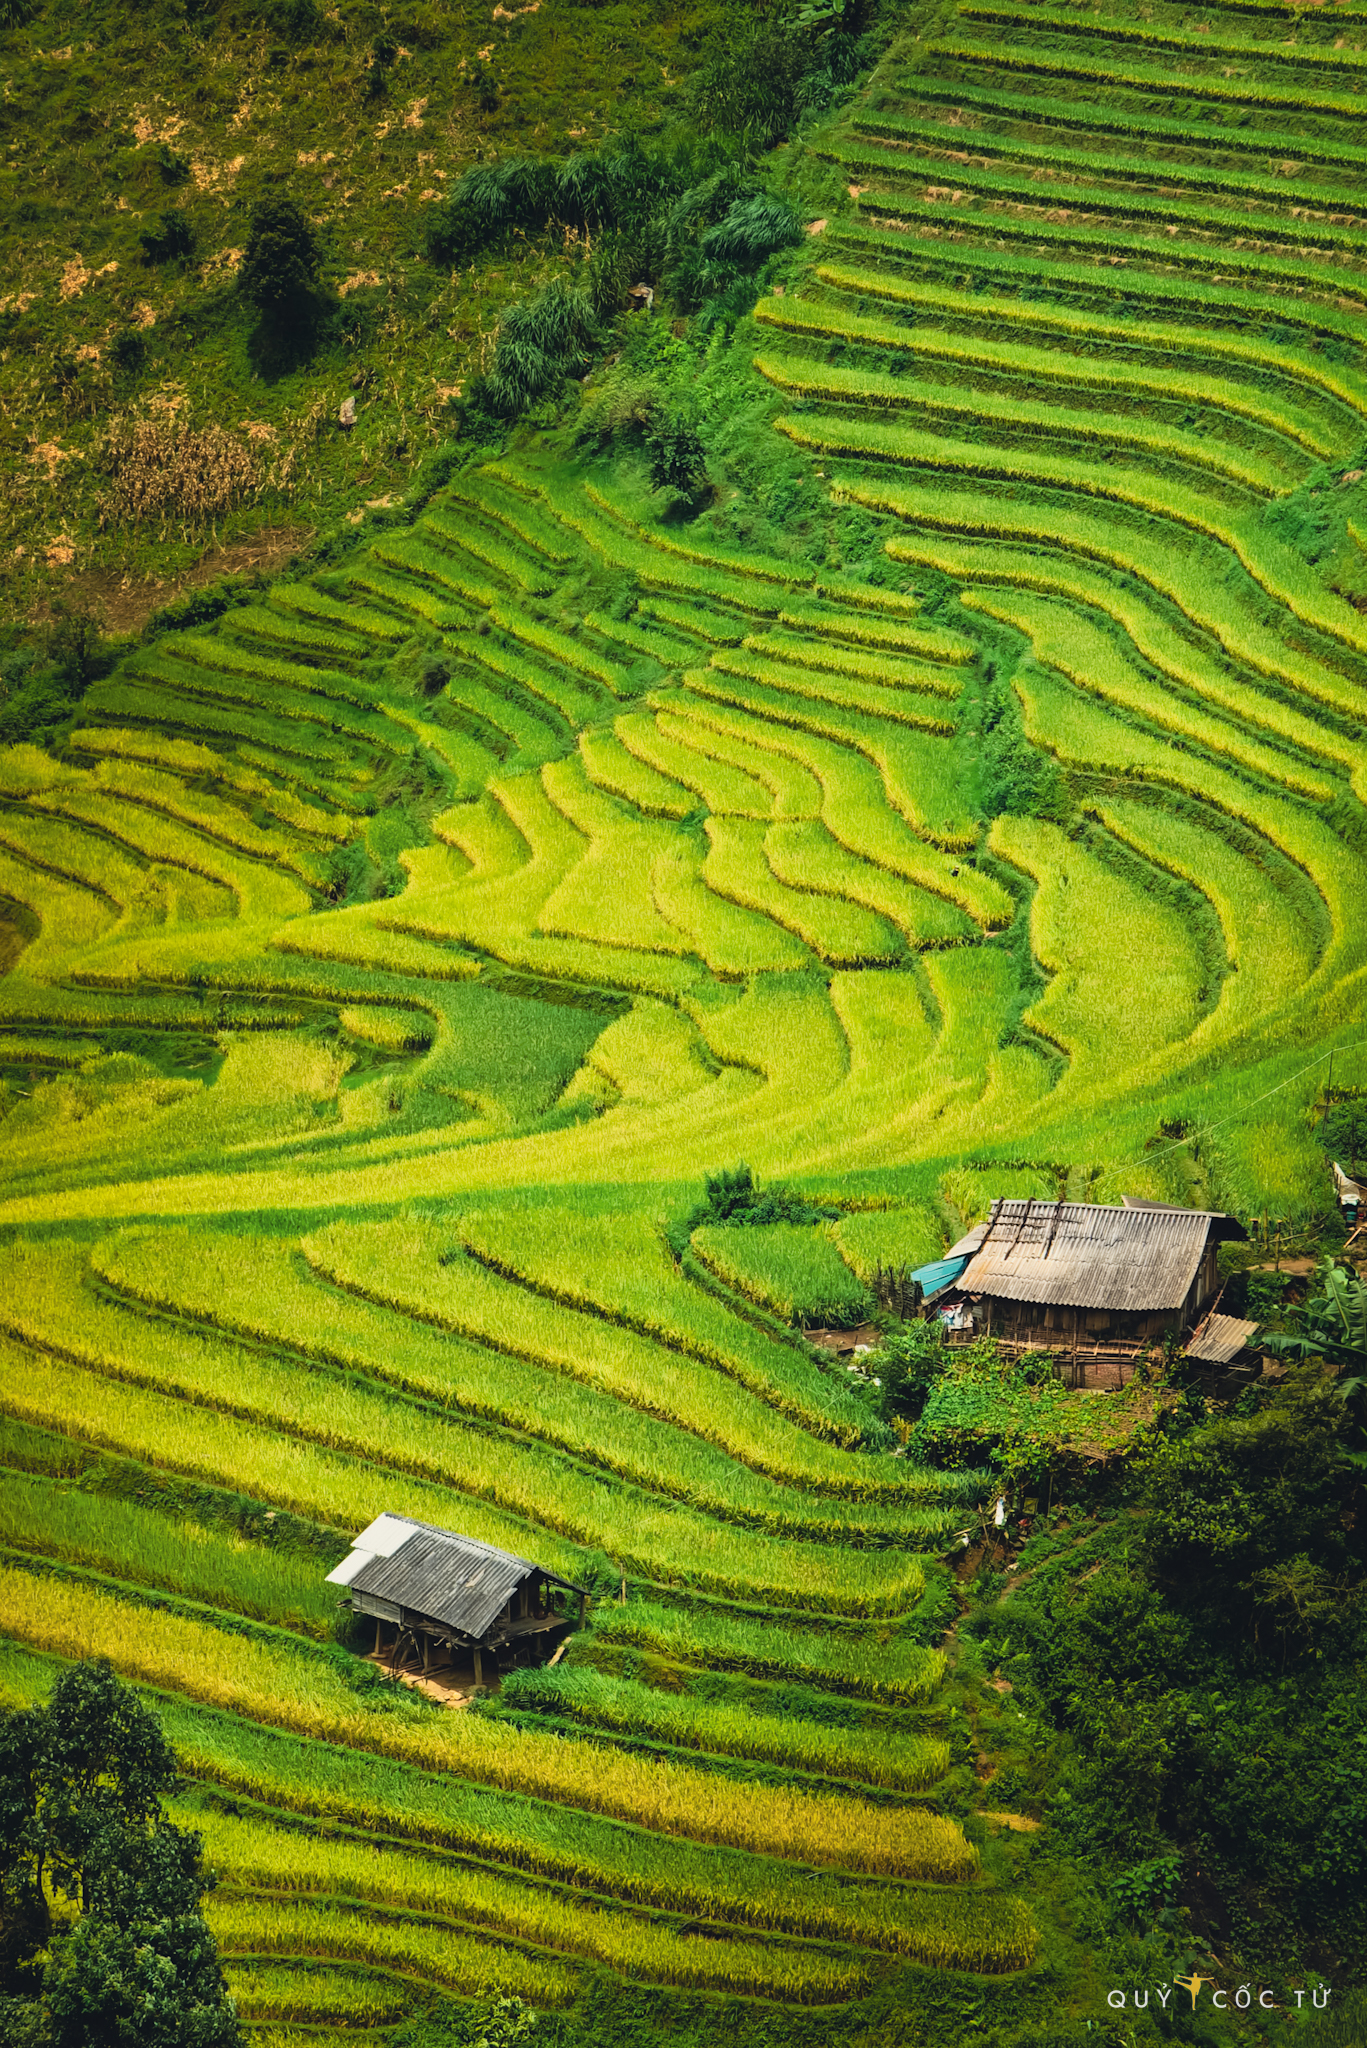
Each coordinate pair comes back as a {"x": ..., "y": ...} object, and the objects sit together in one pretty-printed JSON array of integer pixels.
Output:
[
  {"x": 378, "y": 1626},
  {"x": 479, "y": 1668}
]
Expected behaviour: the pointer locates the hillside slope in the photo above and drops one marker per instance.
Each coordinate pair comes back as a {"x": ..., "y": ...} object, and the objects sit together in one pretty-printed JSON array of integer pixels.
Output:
[
  {"x": 977, "y": 779},
  {"x": 114, "y": 119}
]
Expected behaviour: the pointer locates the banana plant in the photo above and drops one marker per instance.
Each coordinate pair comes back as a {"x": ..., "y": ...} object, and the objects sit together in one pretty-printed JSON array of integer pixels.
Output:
[{"x": 1333, "y": 1327}]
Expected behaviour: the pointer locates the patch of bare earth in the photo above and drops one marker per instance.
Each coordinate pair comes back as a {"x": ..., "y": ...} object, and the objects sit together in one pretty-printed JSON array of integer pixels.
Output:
[
  {"x": 449, "y": 1687},
  {"x": 126, "y": 602}
]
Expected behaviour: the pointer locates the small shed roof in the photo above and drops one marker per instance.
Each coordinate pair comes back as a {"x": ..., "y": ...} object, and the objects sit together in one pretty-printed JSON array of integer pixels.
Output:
[
  {"x": 939, "y": 1274},
  {"x": 1140, "y": 1257},
  {"x": 1346, "y": 1191},
  {"x": 449, "y": 1578},
  {"x": 1220, "y": 1338}
]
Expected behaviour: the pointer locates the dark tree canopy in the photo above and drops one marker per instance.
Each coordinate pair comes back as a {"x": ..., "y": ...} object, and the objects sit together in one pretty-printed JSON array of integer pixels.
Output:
[
  {"x": 103, "y": 1764},
  {"x": 280, "y": 264},
  {"x": 81, "y": 1783}
]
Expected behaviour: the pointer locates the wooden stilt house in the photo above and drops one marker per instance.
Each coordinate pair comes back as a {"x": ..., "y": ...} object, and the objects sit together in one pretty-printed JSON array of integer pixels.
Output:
[
  {"x": 448, "y": 1596},
  {"x": 1090, "y": 1282}
]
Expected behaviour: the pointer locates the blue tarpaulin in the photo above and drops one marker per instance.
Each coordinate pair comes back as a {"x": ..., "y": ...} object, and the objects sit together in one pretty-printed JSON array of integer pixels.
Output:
[{"x": 940, "y": 1274}]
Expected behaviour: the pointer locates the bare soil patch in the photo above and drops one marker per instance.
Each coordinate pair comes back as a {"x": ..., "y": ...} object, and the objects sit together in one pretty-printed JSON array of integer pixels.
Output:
[
  {"x": 451, "y": 1688},
  {"x": 126, "y": 602},
  {"x": 845, "y": 1341}
]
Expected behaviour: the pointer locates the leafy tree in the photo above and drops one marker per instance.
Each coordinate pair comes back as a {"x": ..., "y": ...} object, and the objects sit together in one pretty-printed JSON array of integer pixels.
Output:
[
  {"x": 103, "y": 1764},
  {"x": 280, "y": 273},
  {"x": 72, "y": 643},
  {"x": 41, "y": 686},
  {"x": 1345, "y": 1133},
  {"x": 81, "y": 1783},
  {"x": 1248, "y": 1513},
  {"x": 24, "y": 1915}
]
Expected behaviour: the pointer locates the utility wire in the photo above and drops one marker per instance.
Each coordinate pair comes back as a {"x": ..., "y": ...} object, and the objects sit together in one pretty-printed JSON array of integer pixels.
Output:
[{"x": 1143, "y": 1158}]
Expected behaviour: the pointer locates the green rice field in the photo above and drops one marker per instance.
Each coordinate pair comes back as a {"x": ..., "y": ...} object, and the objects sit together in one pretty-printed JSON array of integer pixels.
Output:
[{"x": 392, "y": 956}]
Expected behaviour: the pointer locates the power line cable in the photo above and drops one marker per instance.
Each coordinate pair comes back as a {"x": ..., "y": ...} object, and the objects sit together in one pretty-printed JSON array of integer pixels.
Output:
[{"x": 1145, "y": 1158}]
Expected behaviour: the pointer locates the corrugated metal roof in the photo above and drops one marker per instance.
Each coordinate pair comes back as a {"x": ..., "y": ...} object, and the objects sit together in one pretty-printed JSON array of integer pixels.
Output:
[
  {"x": 380, "y": 1539},
  {"x": 449, "y": 1578},
  {"x": 1220, "y": 1338},
  {"x": 1085, "y": 1255},
  {"x": 385, "y": 1534}
]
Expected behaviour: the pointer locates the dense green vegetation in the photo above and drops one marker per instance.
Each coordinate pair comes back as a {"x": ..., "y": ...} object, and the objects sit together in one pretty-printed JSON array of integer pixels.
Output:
[
  {"x": 102, "y": 1891},
  {"x": 595, "y": 595}
]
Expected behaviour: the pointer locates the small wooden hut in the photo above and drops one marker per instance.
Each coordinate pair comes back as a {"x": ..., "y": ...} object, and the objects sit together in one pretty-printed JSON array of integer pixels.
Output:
[
  {"x": 453, "y": 1595},
  {"x": 1088, "y": 1281}
]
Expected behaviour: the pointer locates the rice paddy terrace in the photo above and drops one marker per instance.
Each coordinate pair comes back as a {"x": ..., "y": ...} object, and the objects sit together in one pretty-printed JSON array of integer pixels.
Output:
[{"x": 317, "y": 1207}]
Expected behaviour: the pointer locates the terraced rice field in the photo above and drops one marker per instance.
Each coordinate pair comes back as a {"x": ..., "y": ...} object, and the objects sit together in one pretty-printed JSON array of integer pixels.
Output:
[{"x": 396, "y": 954}]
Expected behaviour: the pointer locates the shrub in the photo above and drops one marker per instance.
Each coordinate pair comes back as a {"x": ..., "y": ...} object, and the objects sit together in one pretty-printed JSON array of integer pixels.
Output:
[
  {"x": 541, "y": 341},
  {"x": 299, "y": 21},
  {"x": 174, "y": 168},
  {"x": 621, "y": 191},
  {"x": 910, "y": 1361},
  {"x": 383, "y": 51},
  {"x": 1016, "y": 776},
  {"x": 173, "y": 241},
  {"x": 40, "y": 687},
  {"x": 32, "y": 700},
  {"x": 487, "y": 204},
  {"x": 678, "y": 460},
  {"x": 128, "y": 350},
  {"x": 732, "y": 1197},
  {"x": 748, "y": 83},
  {"x": 703, "y": 205},
  {"x": 758, "y": 80},
  {"x": 751, "y": 230}
]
